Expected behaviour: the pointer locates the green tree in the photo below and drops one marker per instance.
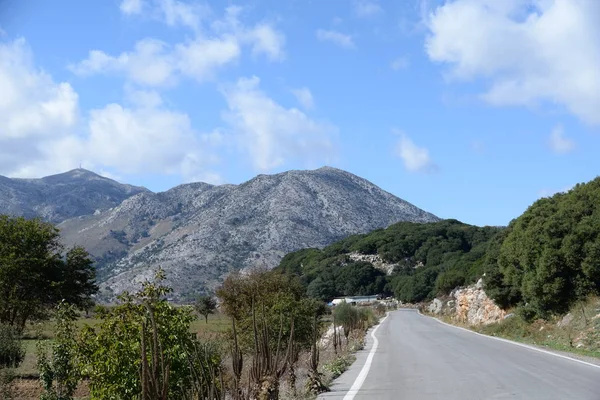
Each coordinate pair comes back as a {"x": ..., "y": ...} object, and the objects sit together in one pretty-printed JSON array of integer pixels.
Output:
[
  {"x": 272, "y": 319},
  {"x": 35, "y": 274},
  {"x": 57, "y": 362},
  {"x": 142, "y": 348},
  {"x": 205, "y": 305},
  {"x": 550, "y": 257}
]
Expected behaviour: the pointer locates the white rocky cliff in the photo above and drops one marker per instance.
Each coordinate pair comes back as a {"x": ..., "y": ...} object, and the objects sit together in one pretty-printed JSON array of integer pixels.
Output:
[{"x": 469, "y": 305}]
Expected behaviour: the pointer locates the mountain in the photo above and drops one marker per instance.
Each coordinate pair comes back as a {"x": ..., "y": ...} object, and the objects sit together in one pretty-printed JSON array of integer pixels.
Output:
[
  {"x": 59, "y": 197},
  {"x": 199, "y": 232}
]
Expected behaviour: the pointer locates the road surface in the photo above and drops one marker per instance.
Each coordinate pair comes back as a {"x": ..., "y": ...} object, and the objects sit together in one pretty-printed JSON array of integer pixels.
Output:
[{"x": 419, "y": 358}]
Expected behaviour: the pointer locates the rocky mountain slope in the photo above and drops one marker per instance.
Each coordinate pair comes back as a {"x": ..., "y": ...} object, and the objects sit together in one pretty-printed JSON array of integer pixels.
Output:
[
  {"x": 59, "y": 197},
  {"x": 199, "y": 232}
]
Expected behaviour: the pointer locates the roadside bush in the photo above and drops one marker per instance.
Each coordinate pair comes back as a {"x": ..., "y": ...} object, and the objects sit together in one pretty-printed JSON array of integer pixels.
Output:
[
  {"x": 339, "y": 365},
  {"x": 12, "y": 352}
]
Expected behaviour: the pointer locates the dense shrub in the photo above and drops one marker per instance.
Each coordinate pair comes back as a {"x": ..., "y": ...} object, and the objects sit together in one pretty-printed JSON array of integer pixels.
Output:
[{"x": 12, "y": 352}]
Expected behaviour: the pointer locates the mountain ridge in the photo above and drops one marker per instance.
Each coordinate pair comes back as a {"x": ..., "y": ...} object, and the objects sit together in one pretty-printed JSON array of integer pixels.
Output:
[{"x": 200, "y": 232}]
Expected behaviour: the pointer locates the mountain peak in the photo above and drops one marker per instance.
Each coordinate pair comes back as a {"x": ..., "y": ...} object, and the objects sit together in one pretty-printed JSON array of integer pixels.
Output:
[{"x": 77, "y": 173}]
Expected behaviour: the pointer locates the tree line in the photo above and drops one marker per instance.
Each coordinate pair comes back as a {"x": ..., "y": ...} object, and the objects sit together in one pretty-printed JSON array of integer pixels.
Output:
[
  {"x": 429, "y": 259},
  {"x": 546, "y": 260}
]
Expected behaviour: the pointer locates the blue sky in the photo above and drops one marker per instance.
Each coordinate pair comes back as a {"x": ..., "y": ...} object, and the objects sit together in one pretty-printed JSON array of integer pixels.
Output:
[{"x": 468, "y": 109}]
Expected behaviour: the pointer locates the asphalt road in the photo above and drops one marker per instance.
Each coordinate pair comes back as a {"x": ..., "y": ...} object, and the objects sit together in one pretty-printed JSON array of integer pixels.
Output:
[{"x": 418, "y": 358}]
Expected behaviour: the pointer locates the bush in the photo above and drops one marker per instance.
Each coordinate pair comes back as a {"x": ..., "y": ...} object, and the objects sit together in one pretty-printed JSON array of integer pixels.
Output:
[
  {"x": 339, "y": 365},
  {"x": 12, "y": 352}
]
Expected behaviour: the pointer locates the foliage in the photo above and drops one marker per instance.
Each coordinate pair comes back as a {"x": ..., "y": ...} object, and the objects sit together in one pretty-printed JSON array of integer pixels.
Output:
[
  {"x": 59, "y": 372},
  {"x": 429, "y": 258},
  {"x": 339, "y": 365},
  {"x": 35, "y": 275},
  {"x": 205, "y": 305},
  {"x": 352, "y": 318},
  {"x": 272, "y": 320},
  {"x": 12, "y": 352},
  {"x": 144, "y": 344},
  {"x": 550, "y": 257}
]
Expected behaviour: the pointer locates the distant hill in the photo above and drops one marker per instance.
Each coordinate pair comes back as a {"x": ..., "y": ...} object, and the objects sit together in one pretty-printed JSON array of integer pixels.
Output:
[
  {"x": 59, "y": 197},
  {"x": 413, "y": 262},
  {"x": 199, "y": 232}
]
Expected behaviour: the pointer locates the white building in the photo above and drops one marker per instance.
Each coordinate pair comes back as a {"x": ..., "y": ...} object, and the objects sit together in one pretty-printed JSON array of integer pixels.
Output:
[{"x": 354, "y": 300}]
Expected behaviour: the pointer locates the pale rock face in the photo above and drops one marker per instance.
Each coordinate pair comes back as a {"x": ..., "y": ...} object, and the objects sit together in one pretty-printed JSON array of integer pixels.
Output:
[
  {"x": 374, "y": 259},
  {"x": 436, "y": 306},
  {"x": 474, "y": 307},
  {"x": 469, "y": 305}
]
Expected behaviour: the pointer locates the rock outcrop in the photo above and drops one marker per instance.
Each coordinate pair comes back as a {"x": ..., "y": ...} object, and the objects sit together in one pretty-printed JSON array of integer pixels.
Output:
[
  {"x": 375, "y": 260},
  {"x": 469, "y": 305}
]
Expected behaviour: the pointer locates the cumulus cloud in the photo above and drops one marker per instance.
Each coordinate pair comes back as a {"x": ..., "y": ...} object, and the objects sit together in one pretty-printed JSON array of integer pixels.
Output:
[
  {"x": 304, "y": 97},
  {"x": 366, "y": 8},
  {"x": 42, "y": 131},
  {"x": 530, "y": 52},
  {"x": 156, "y": 63},
  {"x": 270, "y": 133},
  {"x": 414, "y": 158},
  {"x": 335, "y": 37},
  {"x": 33, "y": 108},
  {"x": 559, "y": 143},
  {"x": 32, "y": 104},
  {"x": 151, "y": 63},
  {"x": 181, "y": 13}
]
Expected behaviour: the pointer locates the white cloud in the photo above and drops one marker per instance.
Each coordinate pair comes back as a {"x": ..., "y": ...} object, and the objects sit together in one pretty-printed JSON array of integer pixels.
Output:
[
  {"x": 177, "y": 13},
  {"x": 201, "y": 58},
  {"x": 155, "y": 63},
  {"x": 335, "y": 37},
  {"x": 263, "y": 37},
  {"x": 415, "y": 158},
  {"x": 540, "y": 51},
  {"x": 366, "y": 8},
  {"x": 39, "y": 119},
  {"x": 32, "y": 105},
  {"x": 146, "y": 139},
  {"x": 151, "y": 63},
  {"x": 304, "y": 97},
  {"x": 172, "y": 12},
  {"x": 559, "y": 143},
  {"x": 266, "y": 40},
  {"x": 400, "y": 63},
  {"x": 271, "y": 133},
  {"x": 129, "y": 7}
]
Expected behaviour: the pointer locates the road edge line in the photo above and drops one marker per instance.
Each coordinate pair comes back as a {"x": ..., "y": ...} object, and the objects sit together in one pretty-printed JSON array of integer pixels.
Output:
[
  {"x": 362, "y": 375},
  {"x": 512, "y": 342}
]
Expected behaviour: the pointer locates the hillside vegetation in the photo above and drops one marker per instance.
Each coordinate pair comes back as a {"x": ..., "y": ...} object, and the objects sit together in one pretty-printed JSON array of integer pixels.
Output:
[
  {"x": 427, "y": 259},
  {"x": 549, "y": 257},
  {"x": 545, "y": 261}
]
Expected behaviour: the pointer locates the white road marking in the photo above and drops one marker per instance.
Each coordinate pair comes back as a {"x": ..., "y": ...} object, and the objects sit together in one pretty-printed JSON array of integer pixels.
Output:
[
  {"x": 360, "y": 379},
  {"x": 514, "y": 343}
]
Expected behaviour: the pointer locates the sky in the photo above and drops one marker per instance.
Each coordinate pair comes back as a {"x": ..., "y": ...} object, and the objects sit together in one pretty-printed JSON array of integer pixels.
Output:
[{"x": 469, "y": 109}]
